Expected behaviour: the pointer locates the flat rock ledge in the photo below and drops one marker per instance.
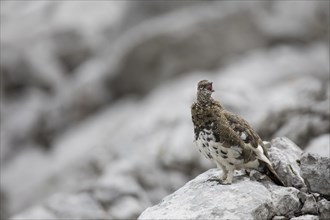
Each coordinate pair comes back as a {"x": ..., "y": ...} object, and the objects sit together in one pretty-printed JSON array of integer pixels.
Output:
[{"x": 247, "y": 198}]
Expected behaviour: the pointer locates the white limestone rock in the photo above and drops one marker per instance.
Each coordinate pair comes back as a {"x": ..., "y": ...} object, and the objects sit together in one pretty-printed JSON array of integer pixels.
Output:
[{"x": 205, "y": 199}]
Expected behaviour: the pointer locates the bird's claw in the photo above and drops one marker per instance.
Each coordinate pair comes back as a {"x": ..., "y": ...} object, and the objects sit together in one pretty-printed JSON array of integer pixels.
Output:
[
  {"x": 214, "y": 179},
  {"x": 226, "y": 182},
  {"x": 219, "y": 181}
]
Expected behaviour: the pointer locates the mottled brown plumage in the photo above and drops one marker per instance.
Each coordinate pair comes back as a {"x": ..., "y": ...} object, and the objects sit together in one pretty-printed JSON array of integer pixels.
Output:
[{"x": 227, "y": 138}]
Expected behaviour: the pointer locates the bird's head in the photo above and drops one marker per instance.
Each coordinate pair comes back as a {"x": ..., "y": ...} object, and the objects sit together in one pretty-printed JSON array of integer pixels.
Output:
[{"x": 204, "y": 91}]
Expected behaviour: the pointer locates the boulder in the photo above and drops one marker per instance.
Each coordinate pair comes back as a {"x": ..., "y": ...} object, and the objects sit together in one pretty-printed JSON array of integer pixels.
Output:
[
  {"x": 316, "y": 172},
  {"x": 285, "y": 155},
  {"x": 324, "y": 209},
  {"x": 310, "y": 205},
  {"x": 205, "y": 199}
]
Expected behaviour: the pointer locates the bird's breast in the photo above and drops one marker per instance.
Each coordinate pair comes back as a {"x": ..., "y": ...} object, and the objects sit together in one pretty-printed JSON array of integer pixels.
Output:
[
  {"x": 204, "y": 140},
  {"x": 212, "y": 149}
]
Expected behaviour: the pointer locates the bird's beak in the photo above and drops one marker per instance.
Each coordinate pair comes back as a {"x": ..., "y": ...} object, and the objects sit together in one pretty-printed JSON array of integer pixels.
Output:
[{"x": 210, "y": 87}]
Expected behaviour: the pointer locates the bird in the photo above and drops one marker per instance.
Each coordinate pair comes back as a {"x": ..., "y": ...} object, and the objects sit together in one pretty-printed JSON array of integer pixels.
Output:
[{"x": 227, "y": 139}]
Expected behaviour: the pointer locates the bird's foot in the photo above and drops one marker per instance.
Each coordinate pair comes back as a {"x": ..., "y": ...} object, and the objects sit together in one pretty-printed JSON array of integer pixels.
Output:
[
  {"x": 226, "y": 182},
  {"x": 223, "y": 177},
  {"x": 214, "y": 179},
  {"x": 219, "y": 180},
  {"x": 257, "y": 176}
]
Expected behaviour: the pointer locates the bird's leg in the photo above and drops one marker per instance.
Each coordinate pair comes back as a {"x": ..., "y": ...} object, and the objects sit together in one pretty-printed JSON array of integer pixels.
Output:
[
  {"x": 229, "y": 178},
  {"x": 224, "y": 171},
  {"x": 223, "y": 176},
  {"x": 226, "y": 177}
]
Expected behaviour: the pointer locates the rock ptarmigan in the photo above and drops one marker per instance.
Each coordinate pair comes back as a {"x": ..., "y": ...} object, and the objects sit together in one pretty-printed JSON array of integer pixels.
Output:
[{"x": 226, "y": 138}]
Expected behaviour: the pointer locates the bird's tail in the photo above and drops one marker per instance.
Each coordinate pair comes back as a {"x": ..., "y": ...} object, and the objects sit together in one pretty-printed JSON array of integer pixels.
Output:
[{"x": 271, "y": 173}]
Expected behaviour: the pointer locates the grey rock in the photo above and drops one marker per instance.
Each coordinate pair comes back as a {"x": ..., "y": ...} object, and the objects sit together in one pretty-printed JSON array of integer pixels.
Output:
[
  {"x": 43, "y": 60},
  {"x": 138, "y": 12},
  {"x": 316, "y": 172},
  {"x": 324, "y": 209},
  {"x": 79, "y": 206},
  {"x": 284, "y": 154},
  {"x": 154, "y": 48},
  {"x": 276, "y": 26},
  {"x": 319, "y": 145},
  {"x": 279, "y": 218},
  {"x": 301, "y": 123},
  {"x": 302, "y": 196},
  {"x": 306, "y": 217},
  {"x": 310, "y": 205},
  {"x": 28, "y": 198},
  {"x": 109, "y": 188},
  {"x": 38, "y": 213},
  {"x": 66, "y": 206},
  {"x": 22, "y": 121},
  {"x": 196, "y": 200},
  {"x": 126, "y": 207},
  {"x": 154, "y": 52},
  {"x": 71, "y": 48},
  {"x": 285, "y": 200},
  {"x": 200, "y": 198},
  {"x": 4, "y": 206},
  {"x": 20, "y": 72}
]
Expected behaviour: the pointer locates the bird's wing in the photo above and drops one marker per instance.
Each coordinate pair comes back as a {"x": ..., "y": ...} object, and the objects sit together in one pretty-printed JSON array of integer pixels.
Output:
[
  {"x": 222, "y": 128},
  {"x": 243, "y": 129},
  {"x": 235, "y": 131},
  {"x": 230, "y": 139},
  {"x": 248, "y": 135}
]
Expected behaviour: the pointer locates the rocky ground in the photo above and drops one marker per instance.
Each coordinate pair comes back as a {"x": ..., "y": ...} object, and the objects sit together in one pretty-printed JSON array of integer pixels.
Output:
[
  {"x": 305, "y": 175},
  {"x": 95, "y": 113}
]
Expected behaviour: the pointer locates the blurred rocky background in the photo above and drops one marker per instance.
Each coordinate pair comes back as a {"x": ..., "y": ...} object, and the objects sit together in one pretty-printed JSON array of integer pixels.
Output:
[{"x": 95, "y": 96}]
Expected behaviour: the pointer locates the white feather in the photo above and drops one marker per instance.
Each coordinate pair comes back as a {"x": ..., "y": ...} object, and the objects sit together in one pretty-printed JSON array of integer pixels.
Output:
[
  {"x": 260, "y": 155},
  {"x": 243, "y": 136}
]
